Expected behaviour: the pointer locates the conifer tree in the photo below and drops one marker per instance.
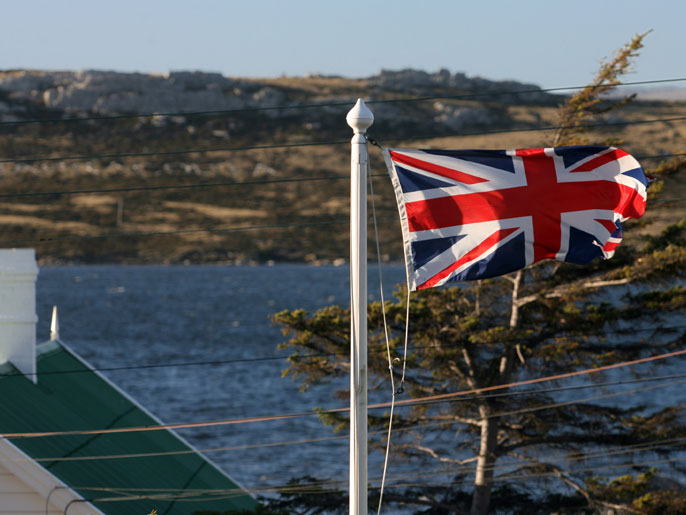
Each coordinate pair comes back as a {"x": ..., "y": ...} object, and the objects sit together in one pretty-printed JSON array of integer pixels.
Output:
[{"x": 541, "y": 448}]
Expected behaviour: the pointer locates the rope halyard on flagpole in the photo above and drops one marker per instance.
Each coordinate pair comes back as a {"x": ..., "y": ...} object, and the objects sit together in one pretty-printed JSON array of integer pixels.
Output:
[
  {"x": 400, "y": 389},
  {"x": 385, "y": 330}
]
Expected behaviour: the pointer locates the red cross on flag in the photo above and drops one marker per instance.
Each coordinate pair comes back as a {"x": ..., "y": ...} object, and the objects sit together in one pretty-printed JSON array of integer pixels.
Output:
[{"x": 473, "y": 214}]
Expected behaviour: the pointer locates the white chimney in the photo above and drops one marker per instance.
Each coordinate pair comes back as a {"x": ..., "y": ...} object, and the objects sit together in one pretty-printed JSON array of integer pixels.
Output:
[{"x": 18, "y": 273}]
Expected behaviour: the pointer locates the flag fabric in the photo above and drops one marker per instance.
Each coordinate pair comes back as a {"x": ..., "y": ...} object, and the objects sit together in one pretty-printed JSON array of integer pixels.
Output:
[{"x": 473, "y": 214}]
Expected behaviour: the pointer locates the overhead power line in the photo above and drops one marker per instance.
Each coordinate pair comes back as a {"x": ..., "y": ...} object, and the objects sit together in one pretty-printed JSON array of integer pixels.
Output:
[
  {"x": 645, "y": 446},
  {"x": 178, "y": 231},
  {"x": 513, "y": 475},
  {"x": 304, "y": 441},
  {"x": 547, "y": 128},
  {"x": 605, "y": 452},
  {"x": 241, "y": 110},
  {"x": 469, "y": 468},
  {"x": 308, "y": 356},
  {"x": 315, "y": 487},
  {"x": 200, "y": 185},
  {"x": 241, "y": 228},
  {"x": 661, "y": 156},
  {"x": 606, "y": 466},
  {"x": 518, "y": 92},
  {"x": 540, "y": 380},
  {"x": 173, "y": 152},
  {"x": 612, "y": 451},
  {"x": 404, "y": 402},
  {"x": 642, "y": 447},
  {"x": 35, "y": 159},
  {"x": 177, "y": 186}
]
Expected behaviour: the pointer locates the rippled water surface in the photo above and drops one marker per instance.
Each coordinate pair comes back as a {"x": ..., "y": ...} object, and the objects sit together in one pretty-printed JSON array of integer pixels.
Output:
[{"x": 120, "y": 316}]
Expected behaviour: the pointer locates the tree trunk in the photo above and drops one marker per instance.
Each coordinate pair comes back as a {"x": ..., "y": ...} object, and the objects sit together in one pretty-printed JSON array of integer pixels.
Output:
[
  {"x": 483, "y": 482},
  {"x": 481, "y": 497}
]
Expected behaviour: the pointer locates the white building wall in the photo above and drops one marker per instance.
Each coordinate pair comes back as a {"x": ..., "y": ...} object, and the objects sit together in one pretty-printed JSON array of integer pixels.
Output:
[
  {"x": 26, "y": 487},
  {"x": 16, "y": 497}
]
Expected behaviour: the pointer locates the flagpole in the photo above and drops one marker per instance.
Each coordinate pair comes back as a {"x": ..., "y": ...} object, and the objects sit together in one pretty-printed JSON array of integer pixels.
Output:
[{"x": 360, "y": 118}]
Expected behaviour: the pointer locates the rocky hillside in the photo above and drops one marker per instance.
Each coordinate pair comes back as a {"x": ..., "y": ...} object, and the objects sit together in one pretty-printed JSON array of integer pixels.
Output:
[
  {"x": 95, "y": 114},
  {"x": 102, "y": 92}
]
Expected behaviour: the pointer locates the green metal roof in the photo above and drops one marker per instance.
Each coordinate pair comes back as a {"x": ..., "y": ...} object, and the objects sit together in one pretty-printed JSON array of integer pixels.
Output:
[{"x": 179, "y": 483}]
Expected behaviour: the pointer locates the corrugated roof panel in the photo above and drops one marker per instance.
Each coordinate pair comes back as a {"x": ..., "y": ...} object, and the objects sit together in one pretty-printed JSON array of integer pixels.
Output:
[{"x": 179, "y": 484}]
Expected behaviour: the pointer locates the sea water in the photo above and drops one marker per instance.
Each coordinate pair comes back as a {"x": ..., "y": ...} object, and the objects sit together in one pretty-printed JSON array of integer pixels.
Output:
[
  {"x": 133, "y": 316},
  {"x": 209, "y": 327}
]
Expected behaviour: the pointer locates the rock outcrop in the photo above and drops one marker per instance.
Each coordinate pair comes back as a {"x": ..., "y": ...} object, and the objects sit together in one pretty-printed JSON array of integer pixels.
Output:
[
  {"x": 52, "y": 94},
  {"x": 418, "y": 81},
  {"x": 113, "y": 93},
  {"x": 107, "y": 92}
]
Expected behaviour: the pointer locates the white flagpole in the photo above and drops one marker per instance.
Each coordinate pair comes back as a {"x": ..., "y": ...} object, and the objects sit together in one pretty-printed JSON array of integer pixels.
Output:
[{"x": 360, "y": 119}]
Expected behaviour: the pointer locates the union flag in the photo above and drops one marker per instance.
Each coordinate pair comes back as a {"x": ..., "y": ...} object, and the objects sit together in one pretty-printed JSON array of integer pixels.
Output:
[{"x": 473, "y": 214}]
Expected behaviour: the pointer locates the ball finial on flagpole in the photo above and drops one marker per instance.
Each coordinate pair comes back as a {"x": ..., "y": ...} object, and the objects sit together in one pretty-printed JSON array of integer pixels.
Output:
[{"x": 360, "y": 118}]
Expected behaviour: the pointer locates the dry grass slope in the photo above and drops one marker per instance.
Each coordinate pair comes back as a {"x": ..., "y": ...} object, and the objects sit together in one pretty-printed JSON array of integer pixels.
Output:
[{"x": 67, "y": 228}]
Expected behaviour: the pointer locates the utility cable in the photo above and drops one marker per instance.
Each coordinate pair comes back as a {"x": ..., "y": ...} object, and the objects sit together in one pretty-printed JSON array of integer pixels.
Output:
[
  {"x": 613, "y": 451},
  {"x": 416, "y": 401},
  {"x": 667, "y": 201},
  {"x": 79, "y": 237},
  {"x": 172, "y": 187},
  {"x": 536, "y": 129},
  {"x": 606, "y": 453},
  {"x": 515, "y": 393},
  {"x": 660, "y": 156},
  {"x": 200, "y": 185},
  {"x": 464, "y": 469},
  {"x": 327, "y": 105},
  {"x": 413, "y": 427},
  {"x": 208, "y": 113},
  {"x": 275, "y": 358},
  {"x": 322, "y": 143},
  {"x": 167, "y": 233},
  {"x": 591, "y": 469},
  {"x": 534, "y": 475},
  {"x": 563, "y": 388},
  {"x": 518, "y": 92},
  {"x": 126, "y": 189},
  {"x": 587, "y": 399},
  {"x": 315, "y": 487},
  {"x": 318, "y": 485},
  {"x": 588, "y": 371},
  {"x": 171, "y": 152}
]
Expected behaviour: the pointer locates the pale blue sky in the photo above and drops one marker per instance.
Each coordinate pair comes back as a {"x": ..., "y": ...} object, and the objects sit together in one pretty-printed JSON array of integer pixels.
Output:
[{"x": 549, "y": 42}]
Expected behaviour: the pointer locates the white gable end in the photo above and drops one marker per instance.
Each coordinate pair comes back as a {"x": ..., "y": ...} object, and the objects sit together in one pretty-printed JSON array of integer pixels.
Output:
[{"x": 26, "y": 488}]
